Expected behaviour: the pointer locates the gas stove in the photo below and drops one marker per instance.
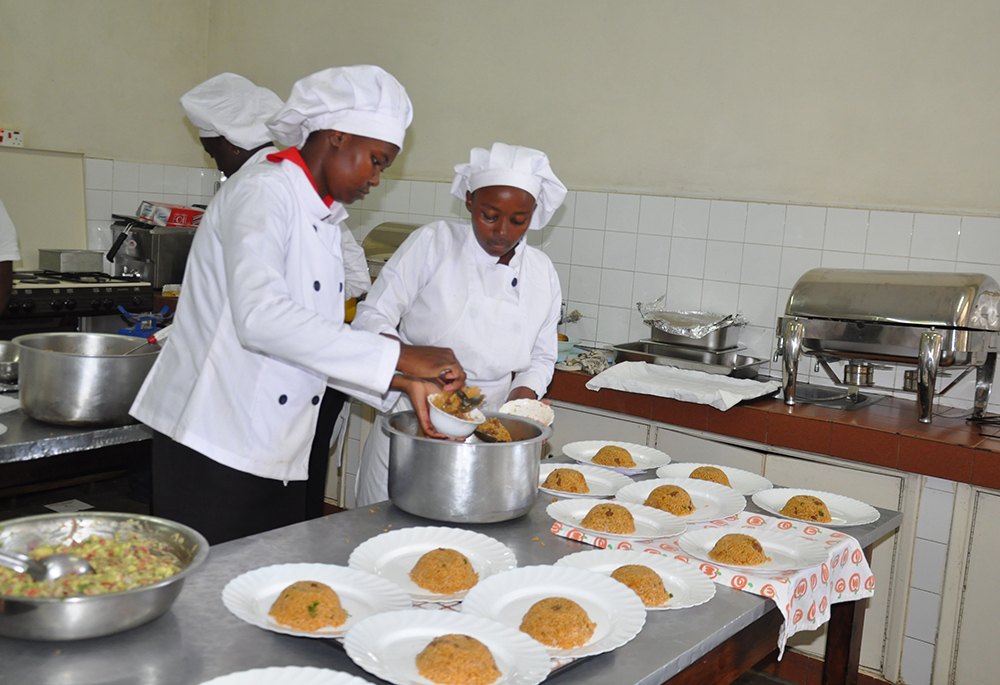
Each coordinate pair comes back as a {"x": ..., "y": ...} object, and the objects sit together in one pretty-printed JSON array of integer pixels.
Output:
[{"x": 39, "y": 294}]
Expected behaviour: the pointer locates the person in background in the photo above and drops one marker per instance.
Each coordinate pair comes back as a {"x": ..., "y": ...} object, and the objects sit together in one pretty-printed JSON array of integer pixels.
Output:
[
  {"x": 9, "y": 253},
  {"x": 478, "y": 288},
  {"x": 259, "y": 335},
  {"x": 230, "y": 112}
]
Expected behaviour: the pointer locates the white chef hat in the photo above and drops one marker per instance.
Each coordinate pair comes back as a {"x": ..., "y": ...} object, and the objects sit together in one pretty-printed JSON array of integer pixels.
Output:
[
  {"x": 232, "y": 107},
  {"x": 512, "y": 165},
  {"x": 364, "y": 100}
]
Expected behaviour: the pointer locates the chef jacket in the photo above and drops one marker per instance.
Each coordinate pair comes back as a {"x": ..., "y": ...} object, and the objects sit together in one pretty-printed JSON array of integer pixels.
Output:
[
  {"x": 9, "y": 251},
  {"x": 259, "y": 331}
]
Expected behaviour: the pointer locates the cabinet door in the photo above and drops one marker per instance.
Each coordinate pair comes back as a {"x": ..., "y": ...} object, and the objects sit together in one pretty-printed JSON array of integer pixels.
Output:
[
  {"x": 692, "y": 448},
  {"x": 573, "y": 423},
  {"x": 880, "y": 490},
  {"x": 978, "y": 660}
]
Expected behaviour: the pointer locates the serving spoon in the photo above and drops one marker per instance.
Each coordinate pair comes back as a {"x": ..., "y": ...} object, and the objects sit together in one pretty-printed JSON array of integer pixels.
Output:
[{"x": 52, "y": 567}]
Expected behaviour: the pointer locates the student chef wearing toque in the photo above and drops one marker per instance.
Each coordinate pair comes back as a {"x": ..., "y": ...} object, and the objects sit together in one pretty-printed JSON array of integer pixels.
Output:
[
  {"x": 230, "y": 113},
  {"x": 259, "y": 333},
  {"x": 478, "y": 288}
]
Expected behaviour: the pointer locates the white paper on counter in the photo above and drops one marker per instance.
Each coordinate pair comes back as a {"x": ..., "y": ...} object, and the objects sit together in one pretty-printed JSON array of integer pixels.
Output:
[
  {"x": 686, "y": 385},
  {"x": 8, "y": 403}
]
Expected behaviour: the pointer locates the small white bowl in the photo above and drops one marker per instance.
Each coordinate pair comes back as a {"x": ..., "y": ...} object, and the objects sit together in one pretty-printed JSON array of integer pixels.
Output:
[
  {"x": 452, "y": 426},
  {"x": 567, "y": 345}
]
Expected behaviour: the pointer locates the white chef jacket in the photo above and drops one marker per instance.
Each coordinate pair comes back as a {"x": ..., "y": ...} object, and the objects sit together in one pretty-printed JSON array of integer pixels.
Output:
[
  {"x": 9, "y": 252},
  {"x": 441, "y": 288},
  {"x": 259, "y": 331}
]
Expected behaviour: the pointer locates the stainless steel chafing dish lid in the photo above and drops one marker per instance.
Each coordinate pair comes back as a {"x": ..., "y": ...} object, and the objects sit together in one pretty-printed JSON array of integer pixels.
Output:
[{"x": 918, "y": 298}]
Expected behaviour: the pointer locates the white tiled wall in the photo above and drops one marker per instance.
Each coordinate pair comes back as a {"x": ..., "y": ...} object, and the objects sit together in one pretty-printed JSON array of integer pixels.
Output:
[{"x": 614, "y": 250}]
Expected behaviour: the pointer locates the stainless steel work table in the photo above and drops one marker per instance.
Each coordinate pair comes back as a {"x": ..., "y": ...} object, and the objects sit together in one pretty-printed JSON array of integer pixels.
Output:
[{"x": 198, "y": 639}]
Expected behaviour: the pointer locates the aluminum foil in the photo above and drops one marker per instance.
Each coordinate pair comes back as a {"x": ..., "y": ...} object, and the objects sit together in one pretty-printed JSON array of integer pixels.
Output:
[{"x": 690, "y": 324}]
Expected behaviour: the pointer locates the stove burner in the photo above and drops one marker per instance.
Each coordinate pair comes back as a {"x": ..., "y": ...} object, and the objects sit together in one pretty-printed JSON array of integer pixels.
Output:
[{"x": 87, "y": 277}]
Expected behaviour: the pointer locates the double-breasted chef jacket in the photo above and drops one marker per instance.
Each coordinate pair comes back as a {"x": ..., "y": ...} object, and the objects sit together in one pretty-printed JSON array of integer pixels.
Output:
[{"x": 259, "y": 331}]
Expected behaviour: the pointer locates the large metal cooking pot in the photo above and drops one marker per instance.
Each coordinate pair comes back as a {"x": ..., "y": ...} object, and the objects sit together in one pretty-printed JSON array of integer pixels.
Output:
[
  {"x": 81, "y": 379},
  {"x": 464, "y": 482},
  {"x": 76, "y": 618}
]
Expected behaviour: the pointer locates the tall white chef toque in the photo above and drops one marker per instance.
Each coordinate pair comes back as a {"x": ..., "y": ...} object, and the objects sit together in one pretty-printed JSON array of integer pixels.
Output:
[
  {"x": 232, "y": 107},
  {"x": 516, "y": 166},
  {"x": 364, "y": 100}
]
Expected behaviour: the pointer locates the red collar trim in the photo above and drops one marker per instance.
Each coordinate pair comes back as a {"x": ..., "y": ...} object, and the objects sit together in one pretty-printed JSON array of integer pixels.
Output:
[{"x": 293, "y": 155}]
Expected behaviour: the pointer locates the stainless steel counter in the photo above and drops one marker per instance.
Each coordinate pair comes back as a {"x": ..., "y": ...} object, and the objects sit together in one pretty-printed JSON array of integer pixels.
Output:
[{"x": 198, "y": 639}]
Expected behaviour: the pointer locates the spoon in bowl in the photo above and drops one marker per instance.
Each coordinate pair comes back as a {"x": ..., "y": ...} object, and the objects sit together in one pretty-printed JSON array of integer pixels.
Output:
[{"x": 52, "y": 567}]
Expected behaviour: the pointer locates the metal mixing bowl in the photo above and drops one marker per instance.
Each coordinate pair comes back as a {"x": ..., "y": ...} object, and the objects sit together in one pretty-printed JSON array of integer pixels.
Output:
[
  {"x": 76, "y": 618},
  {"x": 464, "y": 482},
  {"x": 8, "y": 361}
]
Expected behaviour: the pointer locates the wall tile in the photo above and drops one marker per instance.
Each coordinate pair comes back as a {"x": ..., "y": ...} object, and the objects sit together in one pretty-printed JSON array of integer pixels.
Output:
[
  {"x": 563, "y": 271},
  {"x": 928, "y": 566},
  {"x": 151, "y": 179},
  {"x": 683, "y": 293},
  {"x": 656, "y": 215},
  {"x": 588, "y": 247},
  {"x": 885, "y": 262},
  {"x": 124, "y": 202},
  {"x": 758, "y": 304},
  {"x": 765, "y": 223},
  {"x": 890, "y": 233},
  {"x": 846, "y": 230},
  {"x": 98, "y": 174},
  {"x": 99, "y": 204},
  {"x": 687, "y": 257},
  {"x": 795, "y": 262},
  {"x": 175, "y": 180},
  {"x": 557, "y": 242},
  {"x": 586, "y": 328},
  {"x": 616, "y": 289},
  {"x": 623, "y": 213},
  {"x": 585, "y": 284},
  {"x": 935, "y": 265},
  {"x": 691, "y": 217},
  {"x": 720, "y": 297},
  {"x": 727, "y": 220},
  {"x": 917, "y": 662},
  {"x": 591, "y": 210},
  {"x": 126, "y": 177},
  {"x": 648, "y": 287},
  {"x": 446, "y": 205},
  {"x": 935, "y": 236},
  {"x": 980, "y": 236},
  {"x": 939, "y": 484},
  {"x": 397, "y": 196},
  {"x": 619, "y": 250},
  {"x": 612, "y": 322},
  {"x": 922, "y": 611},
  {"x": 804, "y": 226},
  {"x": 934, "y": 519},
  {"x": 842, "y": 260},
  {"x": 423, "y": 196},
  {"x": 723, "y": 261},
  {"x": 564, "y": 216},
  {"x": 652, "y": 254},
  {"x": 761, "y": 264}
]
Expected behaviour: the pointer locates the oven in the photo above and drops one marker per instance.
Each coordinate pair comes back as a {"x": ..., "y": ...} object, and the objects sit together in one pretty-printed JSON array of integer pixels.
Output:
[{"x": 53, "y": 301}]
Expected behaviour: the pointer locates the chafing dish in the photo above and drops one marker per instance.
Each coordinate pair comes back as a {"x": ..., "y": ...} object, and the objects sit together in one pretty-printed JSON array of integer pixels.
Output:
[{"x": 930, "y": 320}]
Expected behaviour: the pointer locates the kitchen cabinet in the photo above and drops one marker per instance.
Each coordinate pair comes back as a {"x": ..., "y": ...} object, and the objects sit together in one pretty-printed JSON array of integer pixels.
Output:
[{"x": 572, "y": 424}]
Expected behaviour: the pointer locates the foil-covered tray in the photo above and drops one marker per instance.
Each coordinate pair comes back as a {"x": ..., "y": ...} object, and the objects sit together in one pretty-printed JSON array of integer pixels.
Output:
[
  {"x": 690, "y": 327},
  {"x": 727, "y": 363}
]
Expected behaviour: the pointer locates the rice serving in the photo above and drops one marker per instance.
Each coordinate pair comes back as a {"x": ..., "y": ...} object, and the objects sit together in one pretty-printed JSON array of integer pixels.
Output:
[
  {"x": 308, "y": 605},
  {"x": 612, "y": 455},
  {"x": 644, "y": 582},
  {"x": 495, "y": 429},
  {"x": 609, "y": 517},
  {"x": 566, "y": 480},
  {"x": 807, "y": 508},
  {"x": 444, "y": 571},
  {"x": 712, "y": 475},
  {"x": 450, "y": 403},
  {"x": 558, "y": 622},
  {"x": 672, "y": 499},
  {"x": 457, "y": 660},
  {"x": 739, "y": 550}
]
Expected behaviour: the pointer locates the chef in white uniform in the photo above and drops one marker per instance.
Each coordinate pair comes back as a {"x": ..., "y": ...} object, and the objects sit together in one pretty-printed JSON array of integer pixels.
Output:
[
  {"x": 9, "y": 253},
  {"x": 478, "y": 288},
  {"x": 230, "y": 113},
  {"x": 259, "y": 332}
]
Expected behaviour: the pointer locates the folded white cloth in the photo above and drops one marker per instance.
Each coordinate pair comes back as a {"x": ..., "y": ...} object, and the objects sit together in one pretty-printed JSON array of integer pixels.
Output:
[
  {"x": 721, "y": 392},
  {"x": 8, "y": 403}
]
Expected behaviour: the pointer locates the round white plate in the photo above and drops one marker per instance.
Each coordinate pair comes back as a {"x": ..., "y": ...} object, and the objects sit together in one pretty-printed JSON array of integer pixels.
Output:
[
  {"x": 602, "y": 482},
  {"x": 688, "y": 585},
  {"x": 387, "y": 645},
  {"x": 282, "y": 675},
  {"x": 711, "y": 501},
  {"x": 649, "y": 522},
  {"x": 644, "y": 457},
  {"x": 743, "y": 482},
  {"x": 617, "y": 611},
  {"x": 788, "y": 552},
  {"x": 393, "y": 555},
  {"x": 529, "y": 409},
  {"x": 843, "y": 510},
  {"x": 250, "y": 595}
]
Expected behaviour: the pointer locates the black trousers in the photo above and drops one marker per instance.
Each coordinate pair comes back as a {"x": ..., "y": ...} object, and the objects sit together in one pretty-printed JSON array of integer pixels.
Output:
[{"x": 223, "y": 503}]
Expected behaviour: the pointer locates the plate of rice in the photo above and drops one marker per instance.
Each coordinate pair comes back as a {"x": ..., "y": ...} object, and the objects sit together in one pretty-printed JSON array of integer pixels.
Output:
[
  {"x": 842, "y": 511},
  {"x": 253, "y": 597},
  {"x": 281, "y": 675},
  {"x": 743, "y": 482},
  {"x": 398, "y": 554},
  {"x": 593, "y": 609},
  {"x": 638, "y": 457},
  {"x": 536, "y": 410},
  {"x": 647, "y": 523},
  {"x": 404, "y": 647},
  {"x": 710, "y": 501},
  {"x": 781, "y": 551},
  {"x": 685, "y": 584},
  {"x": 600, "y": 482}
]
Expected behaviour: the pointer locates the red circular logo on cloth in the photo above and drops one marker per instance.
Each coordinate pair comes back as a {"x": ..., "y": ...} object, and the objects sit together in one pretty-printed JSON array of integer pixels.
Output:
[
  {"x": 813, "y": 581},
  {"x": 840, "y": 585},
  {"x": 822, "y": 605},
  {"x": 755, "y": 521},
  {"x": 681, "y": 557},
  {"x": 838, "y": 535},
  {"x": 800, "y": 589},
  {"x": 556, "y": 527},
  {"x": 603, "y": 542},
  {"x": 856, "y": 556},
  {"x": 797, "y": 616},
  {"x": 784, "y": 525},
  {"x": 709, "y": 570},
  {"x": 810, "y": 530},
  {"x": 576, "y": 534},
  {"x": 843, "y": 558},
  {"x": 870, "y": 583},
  {"x": 812, "y": 611},
  {"x": 825, "y": 573},
  {"x": 855, "y": 582},
  {"x": 653, "y": 551},
  {"x": 768, "y": 591},
  {"x": 739, "y": 582}
]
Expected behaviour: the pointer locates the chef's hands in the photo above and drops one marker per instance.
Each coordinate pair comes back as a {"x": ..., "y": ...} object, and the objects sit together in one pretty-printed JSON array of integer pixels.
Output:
[{"x": 418, "y": 364}]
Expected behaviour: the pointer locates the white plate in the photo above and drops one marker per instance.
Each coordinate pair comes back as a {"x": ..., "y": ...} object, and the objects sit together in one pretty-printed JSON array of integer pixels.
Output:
[
  {"x": 743, "y": 482},
  {"x": 387, "y": 645},
  {"x": 688, "y": 585},
  {"x": 529, "y": 409},
  {"x": 843, "y": 510},
  {"x": 250, "y": 595},
  {"x": 644, "y": 457},
  {"x": 617, "y": 611},
  {"x": 788, "y": 552},
  {"x": 711, "y": 501},
  {"x": 649, "y": 522},
  {"x": 601, "y": 481},
  {"x": 393, "y": 555},
  {"x": 282, "y": 675}
]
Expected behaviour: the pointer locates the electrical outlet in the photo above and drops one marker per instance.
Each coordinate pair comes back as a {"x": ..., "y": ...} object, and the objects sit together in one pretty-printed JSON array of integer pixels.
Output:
[{"x": 11, "y": 138}]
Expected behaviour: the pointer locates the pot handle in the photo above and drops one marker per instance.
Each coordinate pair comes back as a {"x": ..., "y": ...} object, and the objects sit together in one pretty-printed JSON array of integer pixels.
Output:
[{"x": 117, "y": 245}]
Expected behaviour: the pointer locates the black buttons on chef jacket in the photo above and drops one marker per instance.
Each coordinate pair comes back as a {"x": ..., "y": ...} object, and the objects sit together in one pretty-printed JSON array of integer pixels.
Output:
[
  {"x": 341, "y": 287},
  {"x": 514, "y": 282},
  {"x": 315, "y": 399},
  {"x": 315, "y": 285},
  {"x": 282, "y": 399}
]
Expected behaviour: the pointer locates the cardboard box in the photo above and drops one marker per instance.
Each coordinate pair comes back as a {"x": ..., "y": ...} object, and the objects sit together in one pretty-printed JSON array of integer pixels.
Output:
[{"x": 168, "y": 215}]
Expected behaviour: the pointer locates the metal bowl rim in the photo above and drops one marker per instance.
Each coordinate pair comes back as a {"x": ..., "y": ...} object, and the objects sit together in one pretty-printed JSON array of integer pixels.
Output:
[
  {"x": 200, "y": 554},
  {"x": 546, "y": 431},
  {"x": 152, "y": 349}
]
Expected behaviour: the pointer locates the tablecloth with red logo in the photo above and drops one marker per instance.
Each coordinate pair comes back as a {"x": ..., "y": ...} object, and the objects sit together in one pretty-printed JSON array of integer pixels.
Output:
[{"x": 804, "y": 597}]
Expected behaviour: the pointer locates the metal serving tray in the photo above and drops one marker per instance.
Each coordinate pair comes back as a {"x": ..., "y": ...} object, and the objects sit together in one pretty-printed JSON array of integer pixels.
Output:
[{"x": 726, "y": 363}]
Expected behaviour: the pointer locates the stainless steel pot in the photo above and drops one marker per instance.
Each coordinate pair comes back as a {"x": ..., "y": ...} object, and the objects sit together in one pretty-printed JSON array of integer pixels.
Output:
[
  {"x": 464, "y": 482},
  {"x": 8, "y": 361},
  {"x": 81, "y": 379},
  {"x": 76, "y": 618}
]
